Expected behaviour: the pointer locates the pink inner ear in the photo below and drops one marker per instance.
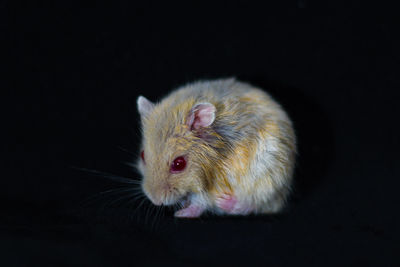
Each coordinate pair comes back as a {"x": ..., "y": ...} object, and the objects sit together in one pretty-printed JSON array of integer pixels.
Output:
[{"x": 202, "y": 115}]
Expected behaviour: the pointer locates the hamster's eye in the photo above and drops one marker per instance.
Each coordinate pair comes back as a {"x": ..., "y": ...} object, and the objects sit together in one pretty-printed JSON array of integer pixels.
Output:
[
  {"x": 178, "y": 165},
  {"x": 142, "y": 156}
]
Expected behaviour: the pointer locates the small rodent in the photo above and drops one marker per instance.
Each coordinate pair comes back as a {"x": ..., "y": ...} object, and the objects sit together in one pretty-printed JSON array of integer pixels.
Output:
[{"x": 222, "y": 146}]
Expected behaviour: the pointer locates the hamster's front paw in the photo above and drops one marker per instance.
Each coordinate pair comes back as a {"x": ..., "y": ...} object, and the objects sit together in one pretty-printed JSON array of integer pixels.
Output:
[
  {"x": 191, "y": 211},
  {"x": 230, "y": 204}
]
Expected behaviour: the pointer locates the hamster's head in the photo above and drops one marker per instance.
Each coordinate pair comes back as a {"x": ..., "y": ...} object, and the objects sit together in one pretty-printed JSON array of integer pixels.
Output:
[{"x": 175, "y": 152}]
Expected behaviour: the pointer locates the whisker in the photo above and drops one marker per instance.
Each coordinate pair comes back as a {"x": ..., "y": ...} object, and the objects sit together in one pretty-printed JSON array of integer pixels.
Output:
[
  {"x": 155, "y": 216},
  {"x": 135, "y": 199},
  {"x": 127, "y": 151},
  {"x": 137, "y": 209},
  {"x": 146, "y": 214},
  {"x": 107, "y": 193},
  {"x": 160, "y": 214},
  {"x": 114, "y": 177},
  {"x": 130, "y": 164},
  {"x": 163, "y": 213},
  {"x": 111, "y": 203}
]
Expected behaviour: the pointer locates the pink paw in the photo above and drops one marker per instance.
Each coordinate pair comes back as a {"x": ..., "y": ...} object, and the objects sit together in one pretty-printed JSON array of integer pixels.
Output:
[
  {"x": 230, "y": 204},
  {"x": 192, "y": 211},
  {"x": 226, "y": 202}
]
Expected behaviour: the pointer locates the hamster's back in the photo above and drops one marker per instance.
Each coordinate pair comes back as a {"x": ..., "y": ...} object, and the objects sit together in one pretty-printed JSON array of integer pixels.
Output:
[
  {"x": 241, "y": 109},
  {"x": 212, "y": 91}
]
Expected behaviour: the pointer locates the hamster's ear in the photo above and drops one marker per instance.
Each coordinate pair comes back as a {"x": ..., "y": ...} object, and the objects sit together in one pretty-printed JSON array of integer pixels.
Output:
[
  {"x": 144, "y": 106},
  {"x": 201, "y": 115}
]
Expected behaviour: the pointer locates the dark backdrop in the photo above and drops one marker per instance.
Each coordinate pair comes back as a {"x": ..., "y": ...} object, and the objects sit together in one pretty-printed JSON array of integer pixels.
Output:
[{"x": 76, "y": 73}]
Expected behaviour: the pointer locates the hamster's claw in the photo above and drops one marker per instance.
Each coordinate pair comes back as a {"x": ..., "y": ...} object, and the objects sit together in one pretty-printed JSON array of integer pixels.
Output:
[{"x": 191, "y": 211}]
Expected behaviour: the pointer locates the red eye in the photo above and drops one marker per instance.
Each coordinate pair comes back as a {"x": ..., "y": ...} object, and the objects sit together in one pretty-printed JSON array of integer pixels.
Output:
[
  {"x": 142, "y": 156},
  {"x": 178, "y": 165}
]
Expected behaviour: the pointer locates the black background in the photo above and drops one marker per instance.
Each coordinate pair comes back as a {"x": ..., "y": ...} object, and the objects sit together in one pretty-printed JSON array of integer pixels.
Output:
[{"x": 76, "y": 73}]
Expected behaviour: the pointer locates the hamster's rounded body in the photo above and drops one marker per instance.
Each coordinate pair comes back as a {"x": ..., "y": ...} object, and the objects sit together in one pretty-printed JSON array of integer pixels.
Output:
[{"x": 236, "y": 143}]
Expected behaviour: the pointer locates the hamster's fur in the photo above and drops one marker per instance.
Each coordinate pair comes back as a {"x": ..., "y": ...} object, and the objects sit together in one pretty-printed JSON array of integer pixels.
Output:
[{"x": 238, "y": 144}]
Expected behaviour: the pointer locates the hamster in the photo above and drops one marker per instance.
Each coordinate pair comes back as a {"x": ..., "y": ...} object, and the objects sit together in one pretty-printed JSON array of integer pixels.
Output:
[{"x": 222, "y": 146}]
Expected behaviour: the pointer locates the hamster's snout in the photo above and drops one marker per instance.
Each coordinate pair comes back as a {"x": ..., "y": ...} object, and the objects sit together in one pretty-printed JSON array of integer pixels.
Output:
[
  {"x": 160, "y": 194},
  {"x": 155, "y": 200},
  {"x": 148, "y": 192},
  {"x": 157, "y": 203}
]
